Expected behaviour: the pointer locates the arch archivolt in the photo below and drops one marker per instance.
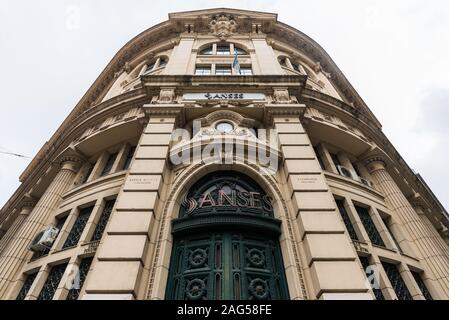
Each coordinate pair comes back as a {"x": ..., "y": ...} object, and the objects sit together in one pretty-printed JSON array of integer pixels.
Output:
[{"x": 181, "y": 182}]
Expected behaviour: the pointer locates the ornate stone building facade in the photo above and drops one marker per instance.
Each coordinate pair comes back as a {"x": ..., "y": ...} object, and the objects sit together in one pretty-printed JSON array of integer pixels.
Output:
[{"x": 222, "y": 155}]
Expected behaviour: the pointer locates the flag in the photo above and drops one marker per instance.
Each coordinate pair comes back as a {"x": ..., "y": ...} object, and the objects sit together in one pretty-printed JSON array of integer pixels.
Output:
[{"x": 236, "y": 64}]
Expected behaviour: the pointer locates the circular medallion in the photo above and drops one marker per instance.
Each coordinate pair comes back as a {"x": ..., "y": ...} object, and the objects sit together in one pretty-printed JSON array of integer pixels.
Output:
[
  {"x": 198, "y": 257},
  {"x": 256, "y": 257},
  {"x": 258, "y": 288},
  {"x": 195, "y": 289}
]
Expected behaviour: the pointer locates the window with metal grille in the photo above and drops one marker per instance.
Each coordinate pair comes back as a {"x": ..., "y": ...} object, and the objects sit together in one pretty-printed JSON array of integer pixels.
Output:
[
  {"x": 129, "y": 157},
  {"x": 83, "y": 270},
  {"x": 39, "y": 254},
  {"x": 26, "y": 286},
  {"x": 52, "y": 282},
  {"x": 396, "y": 281},
  {"x": 109, "y": 163},
  {"x": 78, "y": 228},
  {"x": 365, "y": 263},
  {"x": 370, "y": 227},
  {"x": 346, "y": 219},
  {"x": 422, "y": 286},
  {"x": 103, "y": 221},
  {"x": 319, "y": 158}
]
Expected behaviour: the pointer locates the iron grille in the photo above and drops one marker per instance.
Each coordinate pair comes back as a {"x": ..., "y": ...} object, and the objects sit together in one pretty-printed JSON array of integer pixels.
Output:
[
  {"x": 52, "y": 282},
  {"x": 83, "y": 270},
  {"x": 422, "y": 286},
  {"x": 103, "y": 221},
  {"x": 397, "y": 282},
  {"x": 108, "y": 166},
  {"x": 78, "y": 228},
  {"x": 346, "y": 219},
  {"x": 370, "y": 228},
  {"x": 129, "y": 157},
  {"x": 26, "y": 286},
  {"x": 377, "y": 291},
  {"x": 38, "y": 254}
]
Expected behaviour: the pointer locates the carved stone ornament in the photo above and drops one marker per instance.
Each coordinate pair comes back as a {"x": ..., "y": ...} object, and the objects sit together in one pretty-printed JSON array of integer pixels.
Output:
[
  {"x": 222, "y": 26},
  {"x": 167, "y": 96},
  {"x": 281, "y": 96}
]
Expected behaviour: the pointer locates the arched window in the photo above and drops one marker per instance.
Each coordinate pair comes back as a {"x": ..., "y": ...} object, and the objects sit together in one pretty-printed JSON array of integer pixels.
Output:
[
  {"x": 239, "y": 51},
  {"x": 207, "y": 51},
  {"x": 160, "y": 62}
]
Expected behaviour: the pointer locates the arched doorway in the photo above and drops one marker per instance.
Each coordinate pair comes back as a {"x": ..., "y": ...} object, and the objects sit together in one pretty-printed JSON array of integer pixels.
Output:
[{"x": 226, "y": 243}]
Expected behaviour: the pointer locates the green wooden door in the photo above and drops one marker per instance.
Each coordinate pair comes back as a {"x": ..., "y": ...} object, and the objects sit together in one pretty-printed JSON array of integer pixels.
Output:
[{"x": 225, "y": 265}]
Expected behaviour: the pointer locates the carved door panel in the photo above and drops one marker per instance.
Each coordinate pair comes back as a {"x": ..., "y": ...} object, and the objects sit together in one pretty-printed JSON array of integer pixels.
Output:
[{"x": 221, "y": 266}]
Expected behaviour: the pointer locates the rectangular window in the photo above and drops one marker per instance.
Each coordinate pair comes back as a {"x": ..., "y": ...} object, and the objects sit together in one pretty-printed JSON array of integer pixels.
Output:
[
  {"x": 223, "y": 71},
  {"x": 223, "y": 50},
  {"x": 78, "y": 228},
  {"x": 335, "y": 159},
  {"x": 396, "y": 281},
  {"x": 52, "y": 282},
  {"x": 39, "y": 254},
  {"x": 387, "y": 225},
  {"x": 129, "y": 157},
  {"x": 109, "y": 163},
  {"x": 89, "y": 171},
  {"x": 26, "y": 286},
  {"x": 203, "y": 71},
  {"x": 422, "y": 286},
  {"x": 83, "y": 271},
  {"x": 356, "y": 170},
  {"x": 103, "y": 221},
  {"x": 319, "y": 158},
  {"x": 377, "y": 291},
  {"x": 370, "y": 227},
  {"x": 346, "y": 219},
  {"x": 246, "y": 71}
]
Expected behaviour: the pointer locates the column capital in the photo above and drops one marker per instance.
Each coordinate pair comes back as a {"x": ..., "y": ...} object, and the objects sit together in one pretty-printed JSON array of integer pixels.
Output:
[
  {"x": 27, "y": 204},
  {"x": 70, "y": 159},
  {"x": 374, "y": 163},
  {"x": 418, "y": 202}
]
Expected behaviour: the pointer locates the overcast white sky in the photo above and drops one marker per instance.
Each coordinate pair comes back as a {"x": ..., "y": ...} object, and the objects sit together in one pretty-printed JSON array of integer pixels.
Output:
[{"x": 395, "y": 53}]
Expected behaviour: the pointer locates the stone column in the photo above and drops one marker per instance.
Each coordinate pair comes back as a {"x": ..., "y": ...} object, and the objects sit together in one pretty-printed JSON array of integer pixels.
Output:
[
  {"x": 24, "y": 212},
  {"x": 429, "y": 250},
  {"x": 14, "y": 255}
]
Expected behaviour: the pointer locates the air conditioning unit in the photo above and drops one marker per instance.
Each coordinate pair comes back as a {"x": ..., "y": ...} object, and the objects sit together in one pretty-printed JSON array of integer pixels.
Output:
[
  {"x": 366, "y": 182},
  {"x": 345, "y": 172},
  {"x": 44, "y": 239}
]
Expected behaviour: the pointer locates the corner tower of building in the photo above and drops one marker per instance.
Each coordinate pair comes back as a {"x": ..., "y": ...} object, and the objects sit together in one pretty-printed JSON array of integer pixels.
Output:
[{"x": 222, "y": 154}]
